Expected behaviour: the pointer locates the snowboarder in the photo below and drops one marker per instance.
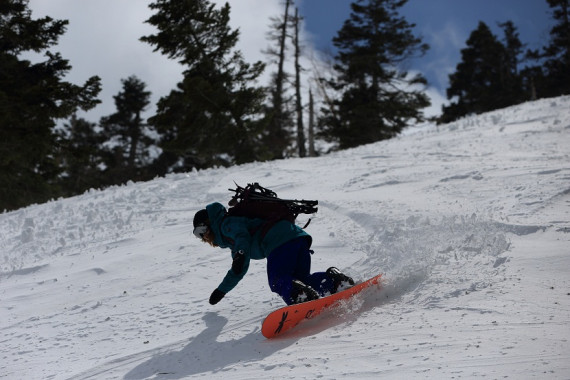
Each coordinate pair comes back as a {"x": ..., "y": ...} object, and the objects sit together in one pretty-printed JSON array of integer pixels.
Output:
[{"x": 285, "y": 245}]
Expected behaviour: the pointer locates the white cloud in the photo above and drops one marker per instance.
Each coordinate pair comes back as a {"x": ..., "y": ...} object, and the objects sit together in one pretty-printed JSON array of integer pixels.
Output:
[
  {"x": 102, "y": 39},
  {"x": 445, "y": 51},
  {"x": 449, "y": 37},
  {"x": 437, "y": 101}
]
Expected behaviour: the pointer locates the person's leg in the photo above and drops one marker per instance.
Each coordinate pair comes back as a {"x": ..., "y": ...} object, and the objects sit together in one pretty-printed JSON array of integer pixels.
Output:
[
  {"x": 292, "y": 261},
  {"x": 281, "y": 266},
  {"x": 319, "y": 281}
]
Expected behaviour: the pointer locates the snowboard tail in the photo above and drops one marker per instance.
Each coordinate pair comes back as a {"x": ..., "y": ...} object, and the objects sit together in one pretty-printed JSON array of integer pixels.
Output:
[{"x": 285, "y": 318}]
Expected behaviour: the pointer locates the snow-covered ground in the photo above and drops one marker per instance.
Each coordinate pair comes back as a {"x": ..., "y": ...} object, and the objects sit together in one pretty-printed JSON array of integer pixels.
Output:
[{"x": 469, "y": 222}]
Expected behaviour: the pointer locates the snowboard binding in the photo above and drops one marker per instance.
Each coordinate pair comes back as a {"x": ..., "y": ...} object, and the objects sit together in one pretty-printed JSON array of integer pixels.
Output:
[
  {"x": 302, "y": 293},
  {"x": 341, "y": 280}
]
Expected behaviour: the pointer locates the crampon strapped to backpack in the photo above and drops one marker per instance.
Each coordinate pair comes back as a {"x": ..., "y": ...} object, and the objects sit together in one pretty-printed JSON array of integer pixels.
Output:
[{"x": 255, "y": 201}]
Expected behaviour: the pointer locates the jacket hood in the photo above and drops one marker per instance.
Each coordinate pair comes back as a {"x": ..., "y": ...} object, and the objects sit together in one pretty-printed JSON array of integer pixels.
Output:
[{"x": 216, "y": 214}]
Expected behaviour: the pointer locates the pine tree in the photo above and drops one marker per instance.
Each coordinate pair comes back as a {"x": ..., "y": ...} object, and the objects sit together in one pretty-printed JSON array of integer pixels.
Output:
[
  {"x": 279, "y": 119},
  {"x": 557, "y": 53},
  {"x": 33, "y": 97},
  {"x": 211, "y": 118},
  {"x": 485, "y": 79},
  {"x": 81, "y": 155},
  {"x": 128, "y": 134},
  {"x": 511, "y": 79},
  {"x": 377, "y": 96}
]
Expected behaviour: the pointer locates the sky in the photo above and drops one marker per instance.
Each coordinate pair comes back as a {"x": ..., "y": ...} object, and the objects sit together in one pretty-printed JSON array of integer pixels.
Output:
[
  {"x": 445, "y": 25},
  {"x": 102, "y": 38}
]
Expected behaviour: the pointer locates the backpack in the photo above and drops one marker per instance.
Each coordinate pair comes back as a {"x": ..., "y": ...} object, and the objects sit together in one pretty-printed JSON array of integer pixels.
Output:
[{"x": 255, "y": 201}]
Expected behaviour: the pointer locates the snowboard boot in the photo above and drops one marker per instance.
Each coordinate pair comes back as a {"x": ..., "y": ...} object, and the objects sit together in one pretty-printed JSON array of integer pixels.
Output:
[
  {"x": 302, "y": 293},
  {"x": 341, "y": 281}
]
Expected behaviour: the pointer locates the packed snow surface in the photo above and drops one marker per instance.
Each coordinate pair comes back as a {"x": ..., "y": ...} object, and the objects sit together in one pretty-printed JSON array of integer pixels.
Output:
[{"x": 469, "y": 222}]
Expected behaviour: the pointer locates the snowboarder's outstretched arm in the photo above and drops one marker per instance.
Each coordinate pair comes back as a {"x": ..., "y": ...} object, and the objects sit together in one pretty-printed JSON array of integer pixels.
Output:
[{"x": 239, "y": 234}]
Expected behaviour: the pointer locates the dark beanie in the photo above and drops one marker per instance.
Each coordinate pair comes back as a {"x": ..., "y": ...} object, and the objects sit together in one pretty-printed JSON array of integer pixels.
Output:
[{"x": 201, "y": 218}]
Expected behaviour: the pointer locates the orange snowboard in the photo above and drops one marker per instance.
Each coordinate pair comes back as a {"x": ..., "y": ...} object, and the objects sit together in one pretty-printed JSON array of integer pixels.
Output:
[{"x": 287, "y": 317}]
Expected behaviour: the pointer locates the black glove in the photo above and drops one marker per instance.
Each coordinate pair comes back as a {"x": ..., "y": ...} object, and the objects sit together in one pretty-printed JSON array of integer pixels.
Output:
[
  {"x": 216, "y": 296},
  {"x": 237, "y": 264}
]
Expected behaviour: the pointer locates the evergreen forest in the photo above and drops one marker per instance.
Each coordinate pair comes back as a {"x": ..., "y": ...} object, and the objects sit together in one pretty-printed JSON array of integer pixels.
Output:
[{"x": 219, "y": 114}]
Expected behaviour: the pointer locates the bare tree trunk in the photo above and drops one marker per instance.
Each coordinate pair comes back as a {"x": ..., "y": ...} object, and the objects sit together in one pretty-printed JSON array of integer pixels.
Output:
[
  {"x": 298, "y": 103},
  {"x": 312, "y": 152},
  {"x": 277, "y": 126}
]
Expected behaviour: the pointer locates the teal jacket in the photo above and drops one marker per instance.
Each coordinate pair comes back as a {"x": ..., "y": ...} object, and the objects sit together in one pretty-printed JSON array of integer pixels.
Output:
[{"x": 245, "y": 234}]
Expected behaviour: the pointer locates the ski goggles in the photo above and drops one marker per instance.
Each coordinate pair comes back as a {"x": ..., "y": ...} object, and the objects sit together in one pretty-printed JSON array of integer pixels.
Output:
[{"x": 200, "y": 231}]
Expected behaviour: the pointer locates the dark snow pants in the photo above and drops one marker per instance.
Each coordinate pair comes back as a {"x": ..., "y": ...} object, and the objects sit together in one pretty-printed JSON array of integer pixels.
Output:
[{"x": 292, "y": 261}]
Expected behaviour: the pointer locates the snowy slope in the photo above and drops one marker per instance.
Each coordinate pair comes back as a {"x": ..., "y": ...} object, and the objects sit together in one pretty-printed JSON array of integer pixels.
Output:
[{"x": 468, "y": 221}]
